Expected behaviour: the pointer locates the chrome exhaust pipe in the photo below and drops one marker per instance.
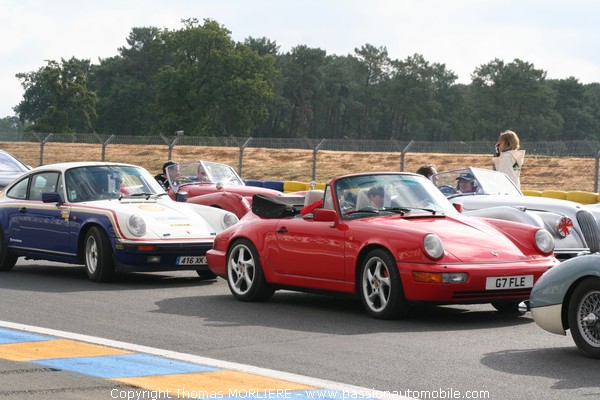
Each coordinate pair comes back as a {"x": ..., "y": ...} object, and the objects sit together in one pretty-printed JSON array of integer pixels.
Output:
[{"x": 524, "y": 306}]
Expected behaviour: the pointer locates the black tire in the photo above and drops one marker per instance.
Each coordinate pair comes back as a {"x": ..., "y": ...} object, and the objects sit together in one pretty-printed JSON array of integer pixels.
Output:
[
  {"x": 97, "y": 255},
  {"x": 7, "y": 261},
  {"x": 244, "y": 273},
  {"x": 380, "y": 287},
  {"x": 584, "y": 316},
  {"x": 206, "y": 274},
  {"x": 507, "y": 306}
]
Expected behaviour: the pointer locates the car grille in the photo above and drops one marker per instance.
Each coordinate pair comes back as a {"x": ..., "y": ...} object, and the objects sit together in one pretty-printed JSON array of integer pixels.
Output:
[
  {"x": 589, "y": 228},
  {"x": 491, "y": 294}
]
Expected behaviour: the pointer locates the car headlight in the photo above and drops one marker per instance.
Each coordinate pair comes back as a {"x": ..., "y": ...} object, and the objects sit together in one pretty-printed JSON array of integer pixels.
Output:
[
  {"x": 433, "y": 246},
  {"x": 136, "y": 225},
  {"x": 544, "y": 241},
  {"x": 229, "y": 219}
]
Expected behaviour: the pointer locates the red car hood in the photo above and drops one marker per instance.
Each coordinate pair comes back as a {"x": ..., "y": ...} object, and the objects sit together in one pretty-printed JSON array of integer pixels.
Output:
[{"x": 467, "y": 240}]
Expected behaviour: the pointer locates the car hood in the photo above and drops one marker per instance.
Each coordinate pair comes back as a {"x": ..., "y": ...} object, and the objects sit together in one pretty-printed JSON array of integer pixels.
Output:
[
  {"x": 477, "y": 202},
  {"x": 465, "y": 239},
  {"x": 165, "y": 219}
]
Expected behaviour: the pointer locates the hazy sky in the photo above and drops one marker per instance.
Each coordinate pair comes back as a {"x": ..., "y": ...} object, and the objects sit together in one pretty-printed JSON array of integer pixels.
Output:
[{"x": 559, "y": 36}]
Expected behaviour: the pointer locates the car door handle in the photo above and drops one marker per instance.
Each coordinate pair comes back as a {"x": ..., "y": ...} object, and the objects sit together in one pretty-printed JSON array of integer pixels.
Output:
[{"x": 282, "y": 230}]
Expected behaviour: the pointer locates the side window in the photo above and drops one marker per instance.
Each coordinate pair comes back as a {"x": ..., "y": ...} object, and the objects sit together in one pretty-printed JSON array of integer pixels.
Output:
[
  {"x": 41, "y": 183},
  {"x": 19, "y": 191}
]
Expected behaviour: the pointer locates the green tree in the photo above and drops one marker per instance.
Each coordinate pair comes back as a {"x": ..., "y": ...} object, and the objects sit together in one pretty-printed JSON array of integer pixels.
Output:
[
  {"x": 57, "y": 98},
  {"x": 375, "y": 65},
  {"x": 10, "y": 125},
  {"x": 214, "y": 86},
  {"x": 514, "y": 96},
  {"x": 125, "y": 84}
]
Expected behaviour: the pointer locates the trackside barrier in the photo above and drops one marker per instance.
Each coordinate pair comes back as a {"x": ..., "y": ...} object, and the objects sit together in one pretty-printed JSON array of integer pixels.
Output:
[{"x": 555, "y": 194}]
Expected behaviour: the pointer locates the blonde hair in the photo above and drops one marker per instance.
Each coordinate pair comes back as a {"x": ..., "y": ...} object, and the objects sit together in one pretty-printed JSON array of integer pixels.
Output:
[{"x": 508, "y": 141}]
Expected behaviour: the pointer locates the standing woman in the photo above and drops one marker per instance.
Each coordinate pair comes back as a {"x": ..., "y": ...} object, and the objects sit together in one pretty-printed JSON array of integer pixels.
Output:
[{"x": 508, "y": 158}]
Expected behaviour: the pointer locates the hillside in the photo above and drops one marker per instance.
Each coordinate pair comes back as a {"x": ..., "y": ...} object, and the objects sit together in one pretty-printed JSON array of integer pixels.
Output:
[{"x": 538, "y": 173}]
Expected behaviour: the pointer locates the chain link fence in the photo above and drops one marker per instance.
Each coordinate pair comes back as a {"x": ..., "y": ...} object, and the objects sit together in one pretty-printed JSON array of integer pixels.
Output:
[{"x": 577, "y": 148}]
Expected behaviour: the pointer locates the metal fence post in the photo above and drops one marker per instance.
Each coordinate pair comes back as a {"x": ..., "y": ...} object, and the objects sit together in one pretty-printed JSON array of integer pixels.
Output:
[
  {"x": 173, "y": 143},
  {"x": 104, "y": 143},
  {"x": 42, "y": 143},
  {"x": 241, "y": 158},
  {"x": 403, "y": 153},
  {"x": 314, "y": 160},
  {"x": 596, "y": 172}
]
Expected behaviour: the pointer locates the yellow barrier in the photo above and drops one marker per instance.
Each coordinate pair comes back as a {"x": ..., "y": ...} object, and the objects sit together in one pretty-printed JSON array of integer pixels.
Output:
[
  {"x": 294, "y": 186},
  {"x": 537, "y": 193},
  {"x": 583, "y": 197},
  {"x": 555, "y": 194}
]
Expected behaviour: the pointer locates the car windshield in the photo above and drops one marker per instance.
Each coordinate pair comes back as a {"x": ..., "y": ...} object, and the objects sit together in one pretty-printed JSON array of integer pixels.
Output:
[
  {"x": 470, "y": 181},
  {"x": 109, "y": 182},
  {"x": 186, "y": 173},
  {"x": 385, "y": 194}
]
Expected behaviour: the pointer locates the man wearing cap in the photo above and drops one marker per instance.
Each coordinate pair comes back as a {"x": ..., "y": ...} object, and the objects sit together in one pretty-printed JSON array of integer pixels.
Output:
[{"x": 466, "y": 183}]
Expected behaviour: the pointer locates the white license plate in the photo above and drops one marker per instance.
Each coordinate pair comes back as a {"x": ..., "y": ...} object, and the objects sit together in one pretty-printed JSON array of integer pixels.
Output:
[
  {"x": 191, "y": 260},
  {"x": 508, "y": 282}
]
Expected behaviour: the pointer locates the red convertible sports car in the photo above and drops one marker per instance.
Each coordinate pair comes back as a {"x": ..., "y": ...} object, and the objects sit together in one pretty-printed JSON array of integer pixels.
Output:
[
  {"x": 212, "y": 184},
  {"x": 392, "y": 239}
]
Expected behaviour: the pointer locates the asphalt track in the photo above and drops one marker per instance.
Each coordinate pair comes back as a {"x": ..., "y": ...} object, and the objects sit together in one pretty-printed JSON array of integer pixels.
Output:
[{"x": 139, "y": 372}]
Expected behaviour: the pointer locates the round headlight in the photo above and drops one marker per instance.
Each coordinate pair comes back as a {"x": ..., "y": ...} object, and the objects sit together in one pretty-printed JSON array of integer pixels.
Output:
[
  {"x": 544, "y": 241},
  {"x": 229, "y": 219},
  {"x": 136, "y": 225},
  {"x": 433, "y": 246}
]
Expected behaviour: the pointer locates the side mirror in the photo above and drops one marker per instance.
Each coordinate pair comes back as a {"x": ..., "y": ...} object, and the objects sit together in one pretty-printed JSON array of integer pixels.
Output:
[
  {"x": 181, "y": 197},
  {"x": 52, "y": 197},
  {"x": 458, "y": 207},
  {"x": 324, "y": 215}
]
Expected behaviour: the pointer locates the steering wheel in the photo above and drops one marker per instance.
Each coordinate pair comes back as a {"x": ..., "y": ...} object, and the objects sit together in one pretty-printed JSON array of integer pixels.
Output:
[{"x": 447, "y": 189}]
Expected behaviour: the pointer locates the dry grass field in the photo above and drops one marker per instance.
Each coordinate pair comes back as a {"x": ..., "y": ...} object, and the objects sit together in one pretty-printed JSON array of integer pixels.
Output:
[{"x": 538, "y": 173}]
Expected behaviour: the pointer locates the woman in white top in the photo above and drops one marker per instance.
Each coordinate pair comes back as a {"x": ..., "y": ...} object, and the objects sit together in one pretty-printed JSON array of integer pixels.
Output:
[{"x": 509, "y": 158}]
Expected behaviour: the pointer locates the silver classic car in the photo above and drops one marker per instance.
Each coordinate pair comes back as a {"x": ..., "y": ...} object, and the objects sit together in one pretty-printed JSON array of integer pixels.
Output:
[
  {"x": 568, "y": 297},
  {"x": 486, "y": 193}
]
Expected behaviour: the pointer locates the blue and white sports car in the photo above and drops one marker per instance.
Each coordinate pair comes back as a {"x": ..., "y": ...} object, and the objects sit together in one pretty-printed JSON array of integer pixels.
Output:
[{"x": 109, "y": 217}]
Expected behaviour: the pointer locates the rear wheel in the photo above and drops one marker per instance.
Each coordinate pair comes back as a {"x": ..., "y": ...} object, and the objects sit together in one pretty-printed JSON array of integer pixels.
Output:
[
  {"x": 380, "y": 286},
  {"x": 7, "y": 261},
  {"x": 244, "y": 273},
  {"x": 98, "y": 256},
  {"x": 584, "y": 316}
]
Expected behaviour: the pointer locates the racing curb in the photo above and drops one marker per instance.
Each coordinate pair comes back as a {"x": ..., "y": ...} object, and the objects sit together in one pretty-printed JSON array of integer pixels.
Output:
[{"x": 154, "y": 369}]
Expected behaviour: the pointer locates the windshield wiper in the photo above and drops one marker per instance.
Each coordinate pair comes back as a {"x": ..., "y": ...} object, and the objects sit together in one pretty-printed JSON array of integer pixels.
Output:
[
  {"x": 403, "y": 210},
  {"x": 364, "y": 210},
  {"x": 143, "y": 194}
]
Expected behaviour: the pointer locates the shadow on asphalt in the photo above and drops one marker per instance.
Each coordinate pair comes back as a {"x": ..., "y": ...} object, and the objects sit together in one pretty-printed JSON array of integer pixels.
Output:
[
  {"x": 566, "y": 365},
  {"x": 331, "y": 314}
]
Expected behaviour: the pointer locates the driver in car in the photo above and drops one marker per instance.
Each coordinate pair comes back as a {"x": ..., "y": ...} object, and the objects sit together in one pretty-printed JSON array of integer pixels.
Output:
[{"x": 466, "y": 183}]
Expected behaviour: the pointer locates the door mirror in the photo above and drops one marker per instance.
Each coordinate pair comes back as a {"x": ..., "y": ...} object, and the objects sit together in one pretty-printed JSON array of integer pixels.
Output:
[
  {"x": 324, "y": 215},
  {"x": 51, "y": 197}
]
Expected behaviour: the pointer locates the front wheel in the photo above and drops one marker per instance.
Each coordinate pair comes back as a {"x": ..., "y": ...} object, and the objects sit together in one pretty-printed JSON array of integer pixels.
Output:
[
  {"x": 380, "y": 286},
  {"x": 98, "y": 256},
  {"x": 584, "y": 316},
  {"x": 244, "y": 273}
]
